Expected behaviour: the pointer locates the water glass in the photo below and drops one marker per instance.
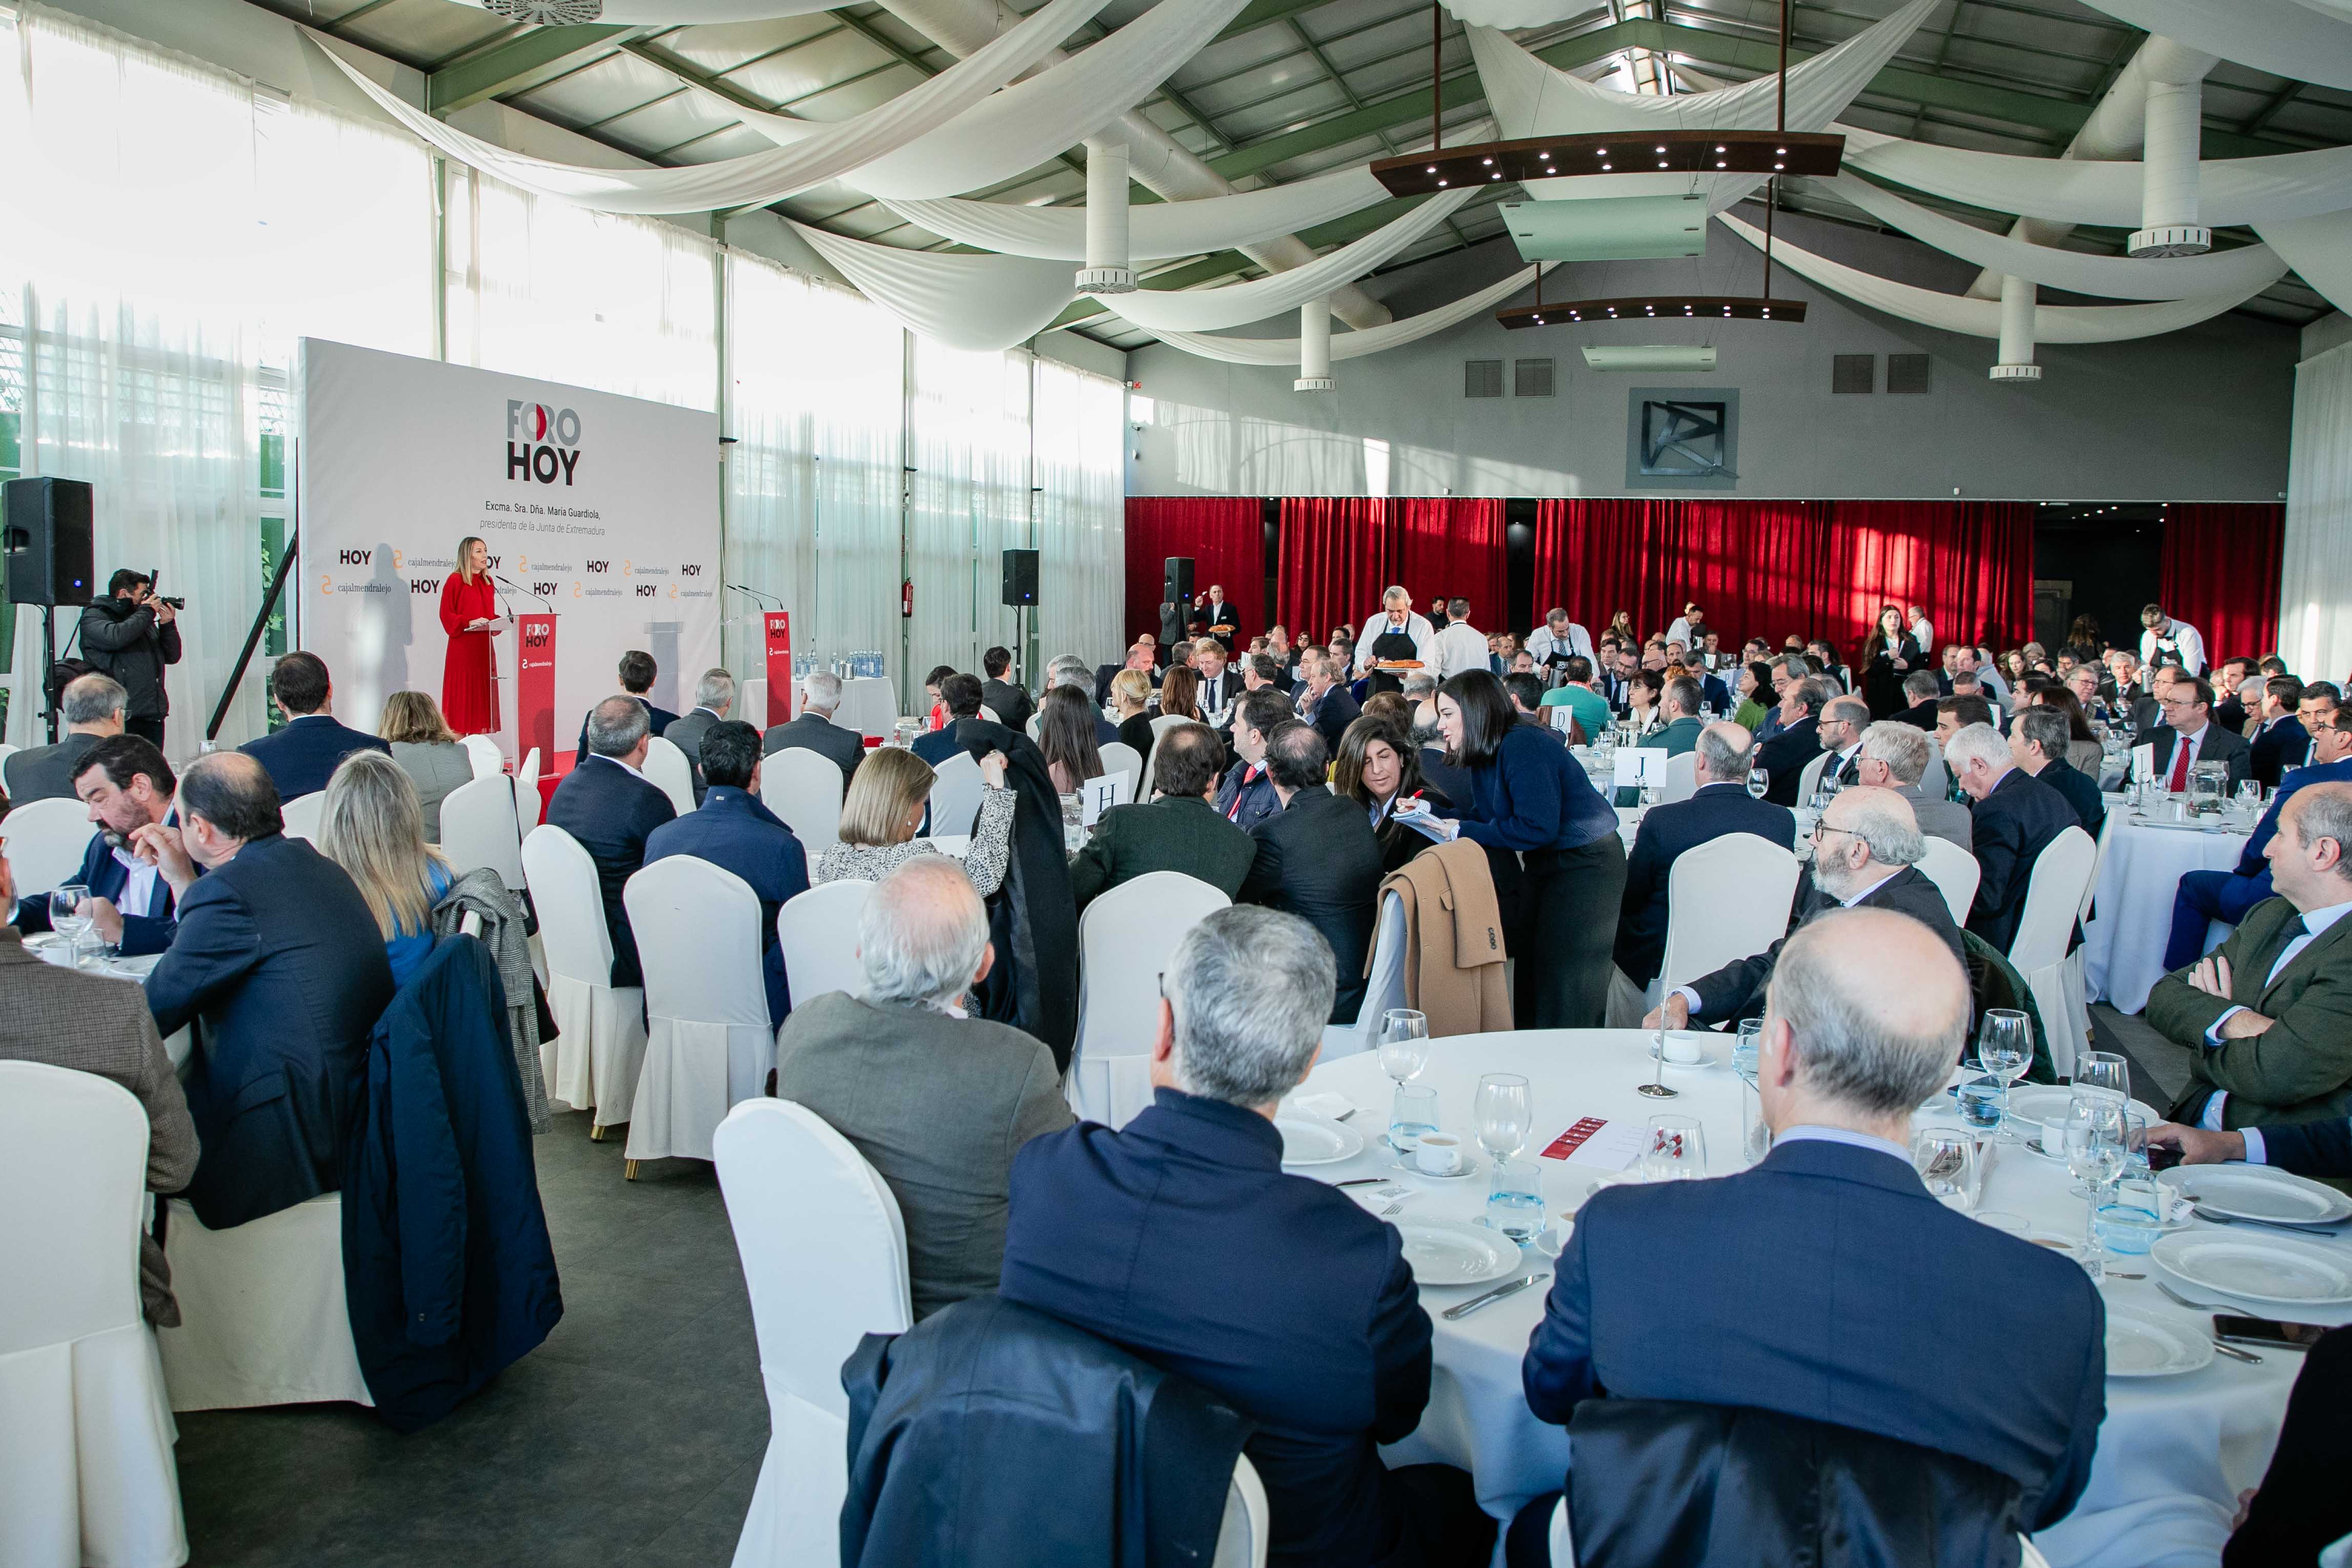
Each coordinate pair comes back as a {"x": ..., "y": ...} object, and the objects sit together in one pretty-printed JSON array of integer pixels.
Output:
[
  {"x": 1515, "y": 1199},
  {"x": 1946, "y": 1159},
  {"x": 2102, "y": 1073},
  {"x": 2126, "y": 1227},
  {"x": 1980, "y": 1101},
  {"x": 1404, "y": 1044},
  {"x": 1677, "y": 1150},
  {"x": 66, "y": 919},
  {"x": 1758, "y": 782},
  {"x": 2095, "y": 1153},
  {"x": 1755, "y": 1135},
  {"x": 2005, "y": 1048},
  {"x": 1502, "y": 1116},
  {"x": 1747, "y": 1049},
  {"x": 1413, "y": 1113}
]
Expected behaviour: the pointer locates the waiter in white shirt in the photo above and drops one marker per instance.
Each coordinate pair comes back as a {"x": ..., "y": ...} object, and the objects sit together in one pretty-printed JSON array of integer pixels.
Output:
[
  {"x": 1396, "y": 632},
  {"x": 1688, "y": 627},
  {"x": 2163, "y": 637},
  {"x": 1557, "y": 641},
  {"x": 1459, "y": 647},
  {"x": 1923, "y": 631}
]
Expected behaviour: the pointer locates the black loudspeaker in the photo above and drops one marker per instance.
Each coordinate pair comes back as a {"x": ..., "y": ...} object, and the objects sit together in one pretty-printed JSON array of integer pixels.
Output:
[
  {"x": 1176, "y": 584},
  {"x": 47, "y": 536},
  {"x": 1020, "y": 578}
]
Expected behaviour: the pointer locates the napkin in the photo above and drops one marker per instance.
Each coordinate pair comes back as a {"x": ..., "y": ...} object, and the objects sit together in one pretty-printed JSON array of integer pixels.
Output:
[{"x": 1330, "y": 1107}]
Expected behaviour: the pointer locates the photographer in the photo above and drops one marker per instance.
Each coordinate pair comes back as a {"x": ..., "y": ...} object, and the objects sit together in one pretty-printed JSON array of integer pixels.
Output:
[{"x": 130, "y": 635}]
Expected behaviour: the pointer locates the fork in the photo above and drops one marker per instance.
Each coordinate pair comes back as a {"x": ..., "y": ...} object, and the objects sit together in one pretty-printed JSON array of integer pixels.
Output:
[
  {"x": 2231, "y": 1351},
  {"x": 1390, "y": 1211},
  {"x": 2210, "y": 1217}
]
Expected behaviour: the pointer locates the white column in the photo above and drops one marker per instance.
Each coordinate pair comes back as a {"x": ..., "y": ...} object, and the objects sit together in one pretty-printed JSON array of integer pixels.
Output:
[
  {"x": 2168, "y": 215},
  {"x": 1108, "y": 268},
  {"x": 2016, "y": 362},
  {"x": 1315, "y": 347}
]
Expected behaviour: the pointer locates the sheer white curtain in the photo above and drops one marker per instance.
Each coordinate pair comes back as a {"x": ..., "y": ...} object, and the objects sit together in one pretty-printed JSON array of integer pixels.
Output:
[
  {"x": 968, "y": 428},
  {"x": 1079, "y": 429},
  {"x": 2316, "y": 578}
]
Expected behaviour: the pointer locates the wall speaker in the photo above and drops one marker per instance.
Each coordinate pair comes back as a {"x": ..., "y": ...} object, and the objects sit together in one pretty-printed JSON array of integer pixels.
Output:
[
  {"x": 47, "y": 536},
  {"x": 1020, "y": 578}
]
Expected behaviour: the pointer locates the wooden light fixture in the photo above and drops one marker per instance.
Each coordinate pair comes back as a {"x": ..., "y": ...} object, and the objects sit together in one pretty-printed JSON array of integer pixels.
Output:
[
  {"x": 1613, "y": 152},
  {"x": 1654, "y": 307}
]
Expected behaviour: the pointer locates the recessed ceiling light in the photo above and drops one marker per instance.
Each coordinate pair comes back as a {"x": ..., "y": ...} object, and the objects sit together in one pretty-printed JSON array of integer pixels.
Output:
[
  {"x": 1431, "y": 170},
  {"x": 1605, "y": 165},
  {"x": 1441, "y": 182},
  {"x": 1485, "y": 159},
  {"x": 1718, "y": 150},
  {"x": 1721, "y": 164}
]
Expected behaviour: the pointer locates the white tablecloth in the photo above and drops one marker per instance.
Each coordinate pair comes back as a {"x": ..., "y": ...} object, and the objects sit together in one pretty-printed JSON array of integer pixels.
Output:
[
  {"x": 2123, "y": 947},
  {"x": 2173, "y": 1453},
  {"x": 869, "y": 705}
]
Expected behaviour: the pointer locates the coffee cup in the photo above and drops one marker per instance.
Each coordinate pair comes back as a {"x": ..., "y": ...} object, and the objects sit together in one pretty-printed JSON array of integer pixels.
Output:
[
  {"x": 1685, "y": 1050},
  {"x": 1440, "y": 1153}
]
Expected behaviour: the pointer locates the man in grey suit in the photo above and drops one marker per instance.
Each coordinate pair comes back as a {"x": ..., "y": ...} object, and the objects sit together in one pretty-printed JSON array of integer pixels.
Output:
[
  {"x": 714, "y": 694},
  {"x": 93, "y": 709},
  {"x": 815, "y": 730},
  {"x": 937, "y": 1101},
  {"x": 1181, "y": 832},
  {"x": 1895, "y": 756}
]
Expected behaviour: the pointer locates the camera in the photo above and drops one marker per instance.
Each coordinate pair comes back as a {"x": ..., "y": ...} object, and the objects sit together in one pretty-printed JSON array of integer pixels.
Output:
[{"x": 156, "y": 577}]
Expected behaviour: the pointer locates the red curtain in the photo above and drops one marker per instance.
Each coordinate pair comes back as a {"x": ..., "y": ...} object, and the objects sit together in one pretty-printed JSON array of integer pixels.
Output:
[
  {"x": 2221, "y": 574},
  {"x": 1338, "y": 553},
  {"x": 1225, "y": 536},
  {"x": 1452, "y": 546}
]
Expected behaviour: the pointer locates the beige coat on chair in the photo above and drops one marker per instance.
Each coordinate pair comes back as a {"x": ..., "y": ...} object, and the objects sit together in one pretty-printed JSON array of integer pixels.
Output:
[{"x": 1454, "y": 940}]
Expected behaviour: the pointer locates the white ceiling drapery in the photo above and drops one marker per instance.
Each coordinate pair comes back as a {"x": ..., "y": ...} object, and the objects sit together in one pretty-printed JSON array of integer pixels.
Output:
[
  {"x": 688, "y": 12},
  {"x": 1355, "y": 345},
  {"x": 974, "y": 302},
  {"x": 2319, "y": 249},
  {"x": 2297, "y": 39},
  {"x": 1157, "y": 230}
]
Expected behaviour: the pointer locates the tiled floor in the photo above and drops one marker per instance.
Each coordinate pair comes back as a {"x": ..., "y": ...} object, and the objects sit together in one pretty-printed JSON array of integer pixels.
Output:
[{"x": 631, "y": 1437}]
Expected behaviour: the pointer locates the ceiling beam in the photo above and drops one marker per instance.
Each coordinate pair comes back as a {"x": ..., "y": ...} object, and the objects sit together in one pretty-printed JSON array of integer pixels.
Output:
[{"x": 524, "y": 61}]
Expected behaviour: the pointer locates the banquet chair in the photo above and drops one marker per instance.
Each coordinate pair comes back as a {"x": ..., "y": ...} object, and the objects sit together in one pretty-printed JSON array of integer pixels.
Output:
[
  {"x": 1036, "y": 725},
  {"x": 1936, "y": 779},
  {"x": 263, "y": 1317},
  {"x": 45, "y": 841},
  {"x": 593, "y": 1063},
  {"x": 709, "y": 1043},
  {"x": 1682, "y": 779},
  {"x": 1159, "y": 727},
  {"x": 817, "y": 932},
  {"x": 8, "y": 751},
  {"x": 1563, "y": 1544},
  {"x": 1124, "y": 935},
  {"x": 484, "y": 754},
  {"x": 1383, "y": 986},
  {"x": 527, "y": 800},
  {"x": 1727, "y": 899},
  {"x": 1118, "y": 755},
  {"x": 955, "y": 797},
  {"x": 1810, "y": 777},
  {"x": 804, "y": 789},
  {"x": 751, "y": 702},
  {"x": 1241, "y": 1540},
  {"x": 89, "y": 1475},
  {"x": 824, "y": 1260},
  {"x": 2074, "y": 975},
  {"x": 666, "y": 768},
  {"x": 304, "y": 813},
  {"x": 1955, "y": 872},
  {"x": 2054, "y": 896},
  {"x": 478, "y": 828}
]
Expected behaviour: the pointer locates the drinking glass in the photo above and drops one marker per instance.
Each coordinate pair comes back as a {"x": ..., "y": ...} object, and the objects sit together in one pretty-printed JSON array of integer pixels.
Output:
[
  {"x": 2250, "y": 799},
  {"x": 66, "y": 917},
  {"x": 2102, "y": 1073},
  {"x": 2005, "y": 1048},
  {"x": 1404, "y": 1050},
  {"x": 1515, "y": 1199},
  {"x": 2095, "y": 1153},
  {"x": 1414, "y": 1114},
  {"x": 1946, "y": 1159},
  {"x": 1502, "y": 1115},
  {"x": 1755, "y": 1135},
  {"x": 1677, "y": 1150},
  {"x": 1747, "y": 1049},
  {"x": 1758, "y": 781}
]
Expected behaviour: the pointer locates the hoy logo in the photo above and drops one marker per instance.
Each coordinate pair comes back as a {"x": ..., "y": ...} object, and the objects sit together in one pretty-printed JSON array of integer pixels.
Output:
[
  {"x": 599, "y": 565},
  {"x": 645, "y": 590},
  {"x": 543, "y": 590},
  {"x": 355, "y": 557},
  {"x": 423, "y": 585},
  {"x": 542, "y": 443},
  {"x": 693, "y": 568},
  {"x": 537, "y": 637}
]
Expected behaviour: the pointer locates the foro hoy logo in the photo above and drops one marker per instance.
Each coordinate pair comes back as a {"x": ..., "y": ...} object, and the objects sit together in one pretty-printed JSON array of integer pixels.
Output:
[
  {"x": 538, "y": 636},
  {"x": 542, "y": 443},
  {"x": 599, "y": 565},
  {"x": 492, "y": 562},
  {"x": 353, "y": 556},
  {"x": 780, "y": 634}
]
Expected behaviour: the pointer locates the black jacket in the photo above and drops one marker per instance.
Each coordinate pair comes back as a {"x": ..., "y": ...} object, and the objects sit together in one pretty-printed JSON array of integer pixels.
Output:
[
  {"x": 302, "y": 757},
  {"x": 2302, "y": 1506},
  {"x": 846, "y": 747},
  {"x": 1320, "y": 861},
  {"x": 611, "y": 812},
  {"x": 2013, "y": 826},
  {"x": 2216, "y": 744},
  {"x": 1008, "y": 702},
  {"x": 1033, "y": 917},
  {"x": 1171, "y": 833},
  {"x": 1333, "y": 714},
  {"x": 122, "y": 640},
  {"x": 2275, "y": 749},
  {"x": 2080, "y": 790},
  {"x": 1737, "y": 990},
  {"x": 1921, "y": 715},
  {"x": 1784, "y": 759},
  {"x": 993, "y": 1436},
  {"x": 44, "y": 772},
  {"x": 1666, "y": 832}
]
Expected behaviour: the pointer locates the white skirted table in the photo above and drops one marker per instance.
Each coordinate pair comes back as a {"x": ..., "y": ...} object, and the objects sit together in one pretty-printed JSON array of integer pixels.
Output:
[
  {"x": 2131, "y": 914},
  {"x": 2173, "y": 1453}
]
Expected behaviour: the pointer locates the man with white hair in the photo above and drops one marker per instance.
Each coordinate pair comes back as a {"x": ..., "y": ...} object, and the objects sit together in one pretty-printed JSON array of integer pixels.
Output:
[
  {"x": 936, "y": 1100},
  {"x": 1180, "y": 1239},
  {"x": 714, "y": 697},
  {"x": 94, "y": 708},
  {"x": 1845, "y": 1315},
  {"x": 814, "y": 729},
  {"x": 1895, "y": 756},
  {"x": 1396, "y": 632},
  {"x": 2017, "y": 817}
]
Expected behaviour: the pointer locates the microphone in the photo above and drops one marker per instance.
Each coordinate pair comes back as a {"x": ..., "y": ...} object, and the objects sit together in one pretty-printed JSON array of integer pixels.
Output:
[{"x": 755, "y": 594}]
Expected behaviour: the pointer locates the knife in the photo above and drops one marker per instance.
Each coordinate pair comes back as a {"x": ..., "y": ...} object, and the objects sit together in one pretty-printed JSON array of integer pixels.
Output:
[
  {"x": 1464, "y": 1309},
  {"x": 2213, "y": 1217}
]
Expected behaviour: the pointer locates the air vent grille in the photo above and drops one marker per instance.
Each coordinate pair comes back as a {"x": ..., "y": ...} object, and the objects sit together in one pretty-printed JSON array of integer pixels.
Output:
[
  {"x": 1531, "y": 378},
  {"x": 1482, "y": 378},
  {"x": 1854, "y": 373},
  {"x": 1907, "y": 373}
]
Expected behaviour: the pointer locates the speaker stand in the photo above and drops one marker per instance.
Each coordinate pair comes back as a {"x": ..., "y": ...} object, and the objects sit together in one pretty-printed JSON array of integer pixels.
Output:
[{"x": 48, "y": 663}]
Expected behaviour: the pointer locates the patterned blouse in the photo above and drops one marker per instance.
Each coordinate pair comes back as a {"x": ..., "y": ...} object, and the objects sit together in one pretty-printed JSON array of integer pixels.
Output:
[{"x": 992, "y": 839}]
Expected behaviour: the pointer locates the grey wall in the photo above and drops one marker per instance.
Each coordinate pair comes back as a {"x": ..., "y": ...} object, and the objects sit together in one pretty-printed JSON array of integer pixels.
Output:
[{"x": 2200, "y": 414}]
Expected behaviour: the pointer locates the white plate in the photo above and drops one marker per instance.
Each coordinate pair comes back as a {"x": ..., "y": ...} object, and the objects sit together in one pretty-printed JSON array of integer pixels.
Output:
[
  {"x": 2279, "y": 1272},
  {"x": 2259, "y": 1192},
  {"x": 1443, "y": 1252},
  {"x": 2209, "y": 825},
  {"x": 2142, "y": 1346},
  {"x": 1313, "y": 1141},
  {"x": 2040, "y": 1102}
]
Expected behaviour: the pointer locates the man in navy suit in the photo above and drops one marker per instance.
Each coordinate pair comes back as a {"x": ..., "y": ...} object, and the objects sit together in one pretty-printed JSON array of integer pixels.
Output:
[
  {"x": 1321, "y": 699},
  {"x": 1180, "y": 1239},
  {"x": 734, "y": 831},
  {"x": 612, "y": 807},
  {"x": 2017, "y": 817},
  {"x": 1721, "y": 805},
  {"x": 1826, "y": 1283},
  {"x": 280, "y": 962},
  {"x": 2227, "y": 895},
  {"x": 1795, "y": 741},
  {"x": 127, "y": 786},
  {"x": 960, "y": 694},
  {"x": 301, "y": 756},
  {"x": 2283, "y": 739},
  {"x": 1245, "y": 798},
  {"x": 637, "y": 672}
]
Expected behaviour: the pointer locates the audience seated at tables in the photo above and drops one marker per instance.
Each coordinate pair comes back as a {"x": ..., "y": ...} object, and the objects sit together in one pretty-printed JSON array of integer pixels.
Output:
[
  {"x": 1643, "y": 690},
  {"x": 885, "y": 805},
  {"x": 1680, "y": 706},
  {"x": 428, "y": 751},
  {"x": 1580, "y": 693},
  {"x": 2188, "y": 736},
  {"x": 92, "y": 707},
  {"x": 1219, "y": 684},
  {"x": 1720, "y": 806},
  {"x": 1005, "y": 698},
  {"x": 1839, "y": 731},
  {"x": 1246, "y": 794},
  {"x": 1866, "y": 851},
  {"x": 2016, "y": 818},
  {"x": 960, "y": 697},
  {"x": 1317, "y": 858},
  {"x": 1132, "y": 701},
  {"x": 637, "y": 672},
  {"x": 714, "y": 699},
  {"x": 1139, "y": 659},
  {"x": 95, "y": 1023},
  {"x": 1264, "y": 670},
  {"x": 2226, "y": 895},
  {"x": 1322, "y": 699},
  {"x": 1796, "y": 741},
  {"x": 2281, "y": 740},
  {"x": 813, "y": 728},
  {"x": 1180, "y": 1239},
  {"x": 372, "y": 828},
  {"x": 2039, "y": 738},
  {"x": 612, "y": 807},
  {"x": 1788, "y": 671},
  {"x": 1754, "y": 710},
  {"x": 1183, "y": 830},
  {"x": 1067, "y": 670},
  {"x": 2265, "y": 1016},
  {"x": 1378, "y": 767},
  {"x": 1825, "y": 1282},
  {"x": 301, "y": 756},
  {"x": 1955, "y": 714},
  {"x": 1895, "y": 756},
  {"x": 734, "y": 831},
  {"x": 1921, "y": 688},
  {"x": 936, "y": 1100},
  {"x": 127, "y": 786},
  {"x": 281, "y": 967},
  {"x": 938, "y": 717},
  {"x": 1066, "y": 734},
  {"x": 2082, "y": 750},
  {"x": 1524, "y": 693},
  {"x": 1179, "y": 690},
  {"x": 2230, "y": 708}
]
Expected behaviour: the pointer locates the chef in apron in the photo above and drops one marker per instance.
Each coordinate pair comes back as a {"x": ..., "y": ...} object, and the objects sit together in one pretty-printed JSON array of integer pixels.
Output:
[{"x": 1396, "y": 632}]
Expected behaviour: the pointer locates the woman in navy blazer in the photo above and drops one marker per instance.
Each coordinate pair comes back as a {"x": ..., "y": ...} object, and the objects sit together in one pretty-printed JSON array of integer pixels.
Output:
[{"x": 1560, "y": 890}]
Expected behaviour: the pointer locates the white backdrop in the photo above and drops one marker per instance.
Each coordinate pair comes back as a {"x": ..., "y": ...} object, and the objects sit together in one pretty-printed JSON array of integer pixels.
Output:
[{"x": 401, "y": 458}]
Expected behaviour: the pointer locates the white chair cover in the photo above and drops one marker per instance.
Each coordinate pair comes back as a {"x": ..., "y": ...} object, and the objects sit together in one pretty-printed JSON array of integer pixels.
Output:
[
  {"x": 1682, "y": 779},
  {"x": 709, "y": 1043},
  {"x": 1117, "y": 756},
  {"x": 804, "y": 788},
  {"x": 262, "y": 1315},
  {"x": 1955, "y": 872},
  {"x": 2053, "y": 898},
  {"x": 1159, "y": 727},
  {"x": 1126, "y": 934},
  {"x": 666, "y": 767},
  {"x": 1809, "y": 780},
  {"x": 1563, "y": 1541},
  {"x": 817, "y": 931},
  {"x": 1241, "y": 1540},
  {"x": 85, "y": 1468},
  {"x": 955, "y": 797},
  {"x": 751, "y": 702},
  {"x": 1725, "y": 900},
  {"x": 527, "y": 800},
  {"x": 484, "y": 754},
  {"x": 303, "y": 815},
  {"x": 8, "y": 751},
  {"x": 593, "y": 1063},
  {"x": 45, "y": 842},
  {"x": 2074, "y": 973},
  {"x": 1383, "y": 986},
  {"x": 825, "y": 1259},
  {"x": 1035, "y": 725},
  {"x": 478, "y": 828}
]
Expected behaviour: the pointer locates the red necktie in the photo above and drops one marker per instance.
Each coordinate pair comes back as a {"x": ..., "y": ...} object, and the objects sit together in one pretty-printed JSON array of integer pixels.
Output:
[
  {"x": 1249, "y": 777},
  {"x": 2179, "y": 779}
]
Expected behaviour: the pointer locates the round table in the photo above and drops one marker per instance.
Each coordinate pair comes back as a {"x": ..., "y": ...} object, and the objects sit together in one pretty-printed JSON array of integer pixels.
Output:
[
  {"x": 2123, "y": 947},
  {"x": 2173, "y": 1453}
]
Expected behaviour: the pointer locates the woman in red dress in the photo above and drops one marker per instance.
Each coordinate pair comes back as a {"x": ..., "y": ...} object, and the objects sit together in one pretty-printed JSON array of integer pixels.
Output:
[{"x": 470, "y": 613}]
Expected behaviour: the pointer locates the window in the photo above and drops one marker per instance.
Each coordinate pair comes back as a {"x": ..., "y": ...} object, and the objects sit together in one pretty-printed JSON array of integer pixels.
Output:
[
  {"x": 1531, "y": 378},
  {"x": 1482, "y": 378},
  {"x": 12, "y": 462},
  {"x": 1854, "y": 373},
  {"x": 1907, "y": 373}
]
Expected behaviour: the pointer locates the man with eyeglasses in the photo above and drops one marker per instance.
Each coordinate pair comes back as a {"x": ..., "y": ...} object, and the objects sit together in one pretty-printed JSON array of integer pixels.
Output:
[
  {"x": 2204, "y": 896},
  {"x": 2188, "y": 736}
]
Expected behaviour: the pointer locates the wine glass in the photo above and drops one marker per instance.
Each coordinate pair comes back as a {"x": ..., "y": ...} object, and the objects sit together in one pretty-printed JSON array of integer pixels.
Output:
[
  {"x": 1758, "y": 782},
  {"x": 66, "y": 919},
  {"x": 2102, "y": 1073},
  {"x": 1502, "y": 1114},
  {"x": 1946, "y": 1159},
  {"x": 2005, "y": 1050},
  {"x": 1405, "y": 1049},
  {"x": 2095, "y": 1153},
  {"x": 1677, "y": 1150}
]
